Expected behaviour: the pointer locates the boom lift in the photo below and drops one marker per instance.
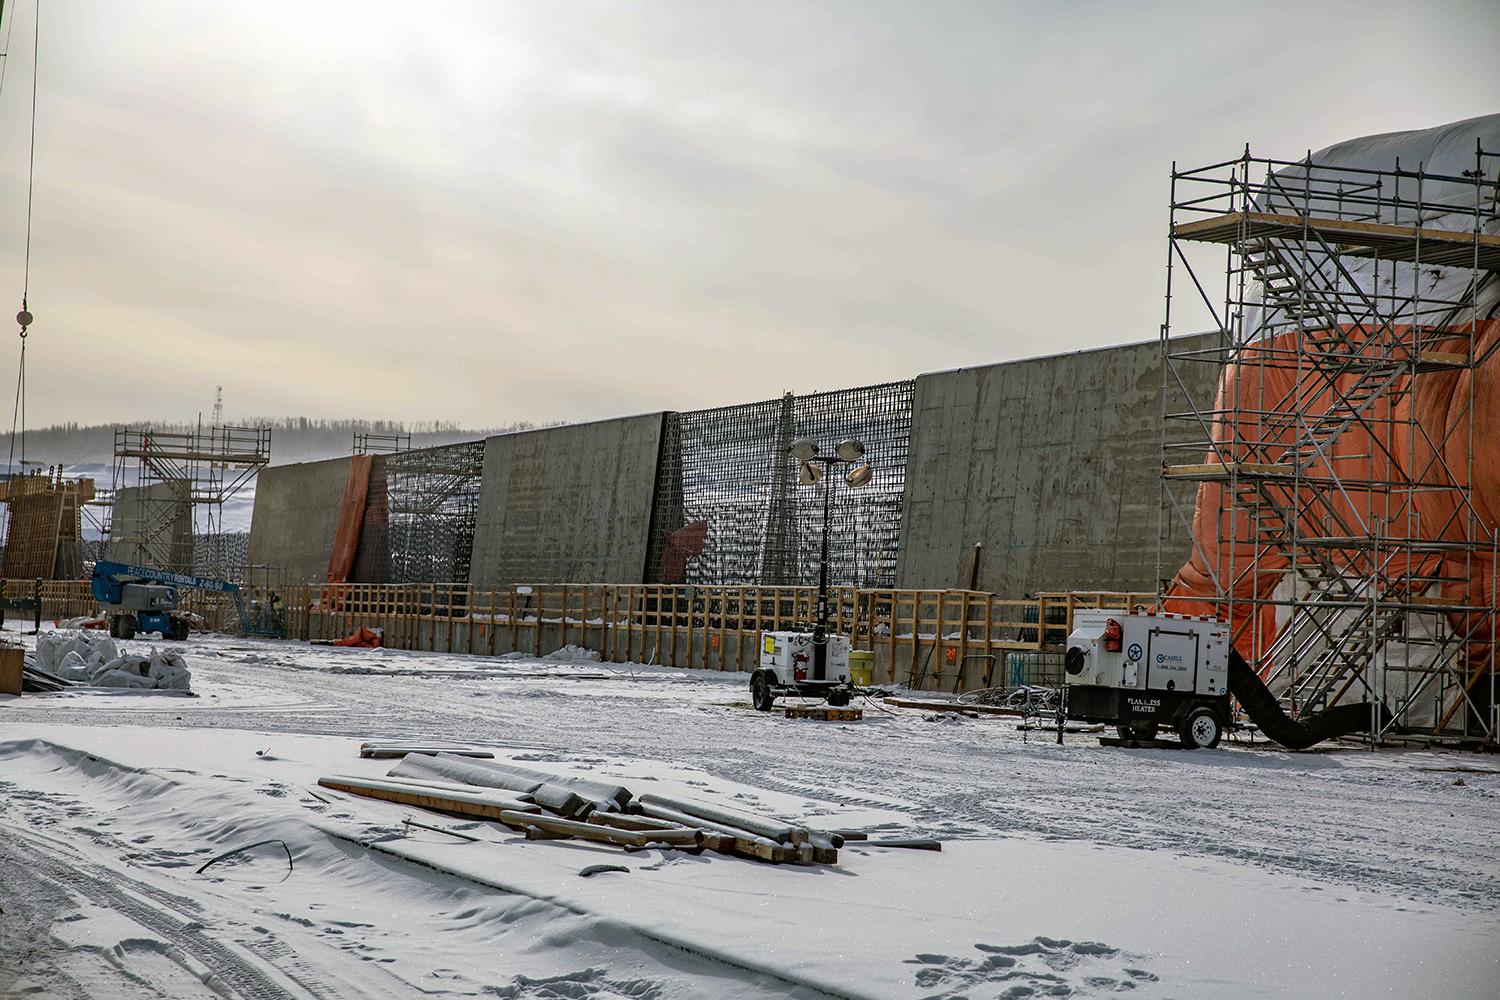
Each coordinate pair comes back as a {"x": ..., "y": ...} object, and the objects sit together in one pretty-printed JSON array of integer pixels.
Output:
[{"x": 143, "y": 599}]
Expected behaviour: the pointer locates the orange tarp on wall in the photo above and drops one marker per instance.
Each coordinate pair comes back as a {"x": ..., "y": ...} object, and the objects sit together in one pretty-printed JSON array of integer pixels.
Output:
[
  {"x": 1384, "y": 450},
  {"x": 351, "y": 519}
]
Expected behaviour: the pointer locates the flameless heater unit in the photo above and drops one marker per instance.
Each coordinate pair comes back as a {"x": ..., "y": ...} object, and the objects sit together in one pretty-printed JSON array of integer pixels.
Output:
[{"x": 1145, "y": 671}]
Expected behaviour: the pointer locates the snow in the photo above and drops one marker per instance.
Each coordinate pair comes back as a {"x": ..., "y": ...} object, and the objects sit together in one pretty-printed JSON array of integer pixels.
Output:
[{"x": 1069, "y": 870}]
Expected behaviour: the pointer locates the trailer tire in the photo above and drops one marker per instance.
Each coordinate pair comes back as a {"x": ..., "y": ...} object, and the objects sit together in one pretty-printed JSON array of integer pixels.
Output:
[
  {"x": 839, "y": 697},
  {"x": 1200, "y": 729},
  {"x": 760, "y": 692}
]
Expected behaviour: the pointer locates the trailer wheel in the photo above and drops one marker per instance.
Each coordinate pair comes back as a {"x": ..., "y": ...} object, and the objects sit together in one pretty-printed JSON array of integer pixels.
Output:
[
  {"x": 760, "y": 692},
  {"x": 1141, "y": 732},
  {"x": 839, "y": 697},
  {"x": 1200, "y": 729}
]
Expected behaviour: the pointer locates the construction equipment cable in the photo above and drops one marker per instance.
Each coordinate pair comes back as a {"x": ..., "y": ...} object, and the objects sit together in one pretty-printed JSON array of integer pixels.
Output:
[{"x": 24, "y": 317}]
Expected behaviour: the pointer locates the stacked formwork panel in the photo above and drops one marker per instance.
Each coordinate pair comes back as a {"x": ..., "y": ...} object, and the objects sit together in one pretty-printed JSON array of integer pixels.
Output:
[
  {"x": 43, "y": 526},
  {"x": 729, "y": 508},
  {"x": 1340, "y": 482}
]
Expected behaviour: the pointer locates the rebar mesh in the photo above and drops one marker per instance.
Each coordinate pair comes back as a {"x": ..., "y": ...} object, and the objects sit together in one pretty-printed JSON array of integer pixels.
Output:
[
  {"x": 730, "y": 510},
  {"x": 222, "y": 556},
  {"x": 432, "y": 501}
]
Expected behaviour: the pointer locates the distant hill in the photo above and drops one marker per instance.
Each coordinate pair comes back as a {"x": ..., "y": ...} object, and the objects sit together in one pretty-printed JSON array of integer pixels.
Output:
[{"x": 293, "y": 439}]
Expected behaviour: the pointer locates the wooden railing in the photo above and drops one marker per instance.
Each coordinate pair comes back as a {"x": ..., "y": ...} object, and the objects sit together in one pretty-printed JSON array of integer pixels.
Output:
[
  {"x": 923, "y": 638},
  {"x": 947, "y": 639}
]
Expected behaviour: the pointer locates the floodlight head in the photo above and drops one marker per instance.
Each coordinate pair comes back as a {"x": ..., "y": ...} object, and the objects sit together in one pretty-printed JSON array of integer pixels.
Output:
[
  {"x": 804, "y": 449},
  {"x": 810, "y": 475},
  {"x": 860, "y": 475},
  {"x": 851, "y": 450}
]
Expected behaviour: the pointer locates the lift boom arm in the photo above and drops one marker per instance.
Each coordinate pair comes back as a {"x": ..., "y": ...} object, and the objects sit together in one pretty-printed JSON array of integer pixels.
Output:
[{"x": 110, "y": 577}]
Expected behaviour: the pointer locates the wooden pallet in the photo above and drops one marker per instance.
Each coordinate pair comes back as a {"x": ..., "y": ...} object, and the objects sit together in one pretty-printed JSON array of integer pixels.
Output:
[{"x": 825, "y": 713}]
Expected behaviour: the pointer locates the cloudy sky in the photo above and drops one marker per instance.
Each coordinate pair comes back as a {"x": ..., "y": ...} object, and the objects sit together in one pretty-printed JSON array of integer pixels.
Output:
[{"x": 555, "y": 210}]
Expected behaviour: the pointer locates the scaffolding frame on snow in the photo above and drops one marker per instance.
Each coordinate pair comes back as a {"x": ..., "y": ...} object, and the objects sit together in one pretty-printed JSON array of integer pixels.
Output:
[{"x": 1329, "y": 503}]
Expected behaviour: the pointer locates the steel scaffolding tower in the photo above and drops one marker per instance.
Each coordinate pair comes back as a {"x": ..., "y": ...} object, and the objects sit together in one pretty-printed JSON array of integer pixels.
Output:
[
  {"x": 171, "y": 486},
  {"x": 1328, "y": 483}
]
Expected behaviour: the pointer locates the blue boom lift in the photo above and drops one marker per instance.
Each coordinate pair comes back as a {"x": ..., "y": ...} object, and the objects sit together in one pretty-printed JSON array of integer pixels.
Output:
[{"x": 142, "y": 599}]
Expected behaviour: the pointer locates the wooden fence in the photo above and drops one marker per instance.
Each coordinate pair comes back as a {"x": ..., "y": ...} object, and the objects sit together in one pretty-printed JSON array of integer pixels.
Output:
[
  {"x": 950, "y": 639},
  {"x": 938, "y": 639}
]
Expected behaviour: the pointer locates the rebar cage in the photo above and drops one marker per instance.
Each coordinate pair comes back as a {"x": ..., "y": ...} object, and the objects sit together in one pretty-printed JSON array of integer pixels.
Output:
[
  {"x": 431, "y": 501},
  {"x": 730, "y": 509},
  {"x": 1328, "y": 481}
]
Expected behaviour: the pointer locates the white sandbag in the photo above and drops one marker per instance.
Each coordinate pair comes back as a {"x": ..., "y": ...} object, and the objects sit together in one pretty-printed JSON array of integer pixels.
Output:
[
  {"x": 48, "y": 651},
  {"x": 103, "y": 646},
  {"x": 122, "y": 679},
  {"x": 118, "y": 663},
  {"x": 93, "y": 647},
  {"x": 73, "y": 668},
  {"x": 174, "y": 678},
  {"x": 167, "y": 670}
]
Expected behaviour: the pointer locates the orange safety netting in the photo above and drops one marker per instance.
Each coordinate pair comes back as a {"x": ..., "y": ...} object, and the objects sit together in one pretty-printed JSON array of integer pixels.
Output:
[
  {"x": 351, "y": 519},
  {"x": 1254, "y": 396}
]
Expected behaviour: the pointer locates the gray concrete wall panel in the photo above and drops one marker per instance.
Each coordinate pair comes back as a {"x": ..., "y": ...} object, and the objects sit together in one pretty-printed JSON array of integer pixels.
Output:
[
  {"x": 296, "y": 515},
  {"x": 567, "y": 504},
  {"x": 1052, "y": 464}
]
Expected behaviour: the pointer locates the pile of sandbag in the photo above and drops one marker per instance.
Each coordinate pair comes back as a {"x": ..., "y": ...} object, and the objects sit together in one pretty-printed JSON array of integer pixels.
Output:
[{"x": 92, "y": 658}]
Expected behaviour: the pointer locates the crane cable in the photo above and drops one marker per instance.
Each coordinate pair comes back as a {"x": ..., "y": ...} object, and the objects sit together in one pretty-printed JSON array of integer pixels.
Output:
[{"x": 24, "y": 317}]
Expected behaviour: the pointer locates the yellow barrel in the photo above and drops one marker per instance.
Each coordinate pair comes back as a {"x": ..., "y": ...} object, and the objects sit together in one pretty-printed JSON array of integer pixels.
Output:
[{"x": 861, "y": 667}]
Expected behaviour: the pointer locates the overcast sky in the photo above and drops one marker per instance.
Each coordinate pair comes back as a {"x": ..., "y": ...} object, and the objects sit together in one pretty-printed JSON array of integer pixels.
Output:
[{"x": 509, "y": 211}]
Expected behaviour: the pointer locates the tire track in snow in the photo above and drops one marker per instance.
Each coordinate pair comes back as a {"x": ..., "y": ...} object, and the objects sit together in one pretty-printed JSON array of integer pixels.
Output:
[{"x": 159, "y": 912}]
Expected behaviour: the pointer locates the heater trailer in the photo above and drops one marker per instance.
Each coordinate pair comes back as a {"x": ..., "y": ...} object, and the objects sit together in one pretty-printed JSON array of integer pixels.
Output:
[{"x": 1145, "y": 671}]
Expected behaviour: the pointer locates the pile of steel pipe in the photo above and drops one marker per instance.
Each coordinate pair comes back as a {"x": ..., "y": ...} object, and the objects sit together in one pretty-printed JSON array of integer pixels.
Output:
[{"x": 544, "y": 806}]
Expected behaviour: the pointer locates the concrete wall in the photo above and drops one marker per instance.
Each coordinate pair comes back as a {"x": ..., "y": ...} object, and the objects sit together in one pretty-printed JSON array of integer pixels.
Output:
[
  {"x": 1052, "y": 463},
  {"x": 296, "y": 514},
  {"x": 567, "y": 504},
  {"x": 152, "y": 526}
]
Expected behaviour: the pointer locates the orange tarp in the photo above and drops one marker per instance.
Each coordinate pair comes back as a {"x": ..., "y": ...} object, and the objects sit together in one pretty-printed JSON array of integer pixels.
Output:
[
  {"x": 351, "y": 519},
  {"x": 1383, "y": 449},
  {"x": 362, "y": 637}
]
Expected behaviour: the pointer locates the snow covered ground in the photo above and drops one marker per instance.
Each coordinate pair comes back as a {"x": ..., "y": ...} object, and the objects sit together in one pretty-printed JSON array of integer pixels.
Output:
[{"x": 1068, "y": 870}]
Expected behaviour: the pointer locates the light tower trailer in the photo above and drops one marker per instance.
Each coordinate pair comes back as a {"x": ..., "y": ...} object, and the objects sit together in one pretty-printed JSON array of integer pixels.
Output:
[
  {"x": 1143, "y": 671},
  {"x": 792, "y": 664}
]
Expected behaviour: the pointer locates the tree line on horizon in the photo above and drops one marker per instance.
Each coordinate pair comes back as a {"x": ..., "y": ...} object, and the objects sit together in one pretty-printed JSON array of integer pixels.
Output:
[{"x": 292, "y": 438}]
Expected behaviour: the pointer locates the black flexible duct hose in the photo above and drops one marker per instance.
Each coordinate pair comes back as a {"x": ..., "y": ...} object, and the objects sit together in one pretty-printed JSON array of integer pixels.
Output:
[{"x": 1294, "y": 734}]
